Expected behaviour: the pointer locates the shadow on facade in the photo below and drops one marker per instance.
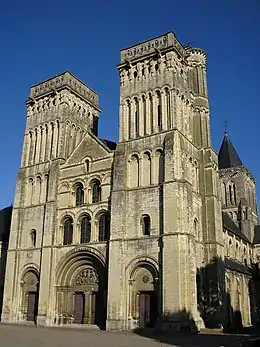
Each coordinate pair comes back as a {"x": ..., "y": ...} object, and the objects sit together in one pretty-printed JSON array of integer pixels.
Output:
[
  {"x": 5, "y": 225},
  {"x": 222, "y": 322}
]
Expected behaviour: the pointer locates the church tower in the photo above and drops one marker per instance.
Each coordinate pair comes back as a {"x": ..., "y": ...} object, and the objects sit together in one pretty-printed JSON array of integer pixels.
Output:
[
  {"x": 165, "y": 208},
  {"x": 238, "y": 190},
  {"x": 59, "y": 112}
]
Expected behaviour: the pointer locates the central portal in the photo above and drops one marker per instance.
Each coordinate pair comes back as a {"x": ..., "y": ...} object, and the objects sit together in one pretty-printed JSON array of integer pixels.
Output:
[{"x": 81, "y": 296}]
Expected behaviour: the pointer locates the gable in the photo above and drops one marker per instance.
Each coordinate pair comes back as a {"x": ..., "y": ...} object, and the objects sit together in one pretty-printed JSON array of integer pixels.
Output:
[{"x": 89, "y": 146}]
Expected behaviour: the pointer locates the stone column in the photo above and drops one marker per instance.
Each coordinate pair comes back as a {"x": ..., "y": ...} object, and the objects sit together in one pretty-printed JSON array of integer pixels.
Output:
[
  {"x": 76, "y": 234},
  {"x": 87, "y": 311}
]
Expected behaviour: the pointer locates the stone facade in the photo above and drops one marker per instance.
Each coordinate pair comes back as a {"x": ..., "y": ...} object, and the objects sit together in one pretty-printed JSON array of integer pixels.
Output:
[{"x": 122, "y": 235}]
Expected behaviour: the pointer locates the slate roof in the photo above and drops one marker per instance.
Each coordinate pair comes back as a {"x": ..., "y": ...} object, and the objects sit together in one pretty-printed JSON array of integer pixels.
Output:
[
  {"x": 236, "y": 266},
  {"x": 110, "y": 144},
  {"x": 227, "y": 156},
  {"x": 257, "y": 234},
  {"x": 231, "y": 226},
  {"x": 5, "y": 223}
]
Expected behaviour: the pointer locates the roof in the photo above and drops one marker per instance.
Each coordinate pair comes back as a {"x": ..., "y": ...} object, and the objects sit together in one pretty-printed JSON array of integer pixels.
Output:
[
  {"x": 227, "y": 156},
  {"x": 231, "y": 226},
  {"x": 110, "y": 144},
  {"x": 5, "y": 223},
  {"x": 257, "y": 234},
  {"x": 236, "y": 266}
]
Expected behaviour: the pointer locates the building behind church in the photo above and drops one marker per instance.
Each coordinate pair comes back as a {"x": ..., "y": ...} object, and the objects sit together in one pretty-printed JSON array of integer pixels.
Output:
[{"x": 154, "y": 231}]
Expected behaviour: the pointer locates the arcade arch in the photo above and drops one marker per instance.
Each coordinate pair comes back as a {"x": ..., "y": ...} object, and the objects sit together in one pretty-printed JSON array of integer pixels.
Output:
[{"x": 81, "y": 290}]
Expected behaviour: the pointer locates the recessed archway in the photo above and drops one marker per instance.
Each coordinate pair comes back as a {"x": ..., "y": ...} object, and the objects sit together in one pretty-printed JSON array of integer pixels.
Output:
[
  {"x": 30, "y": 295},
  {"x": 81, "y": 293},
  {"x": 144, "y": 295}
]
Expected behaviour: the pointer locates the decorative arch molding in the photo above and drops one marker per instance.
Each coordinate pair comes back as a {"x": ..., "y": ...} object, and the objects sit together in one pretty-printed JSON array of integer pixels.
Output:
[
  {"x": 130, "y": 156},
  {"x": 99, "y": 210},
  {"x": 157, "y": 149},
  {"x": 63, "y": 187},
  {"x": 146, "y": 150},
  {"x": 66, "y": 214},
  {"x": 139, "y": 261},
  {"x": 77, "y": 180},
  {"x": 77, "y": 255},
  {"x": 32, "y": 267},
  {"x": 106, "y": 179},
  {"x": 92, "y": 178},
  {"x": 83, "y": 212}
]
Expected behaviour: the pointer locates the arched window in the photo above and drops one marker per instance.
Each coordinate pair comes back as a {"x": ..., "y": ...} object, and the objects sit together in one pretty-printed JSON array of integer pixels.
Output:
[
  {"x": 136, "y": 117},
  {"x": 103, "y": 227},
  {"x": 159, "y": 111},
  {"x": 168, "y": 107},
  {"x": 159, "y": 166},
  {"x": 146, "y": 225},
  {"x": 146, "y": 169},
  {"x": 96, "y": 191},
  {"x": 230, "y": 195},
  {"x": 235, "y": 194},
  {"x": 224, "y": 194},
  {"x": 79, "y": 191},
  {"x": 30, "y": 191},
  {"x": 68, "y": 231},
  {"x": 85, "y": 230},
  {"x": 128, "y": 106},
  {"x": 134, "y": 171},
  {"x": 144, "y": 113},
  {"x": 151, "y": 111},
  {"x": 33, "y": 237},
  {"x": 196, "y": 229},
  {"x": 87, "y": 165},
  {"x": 37, "y": 190}
]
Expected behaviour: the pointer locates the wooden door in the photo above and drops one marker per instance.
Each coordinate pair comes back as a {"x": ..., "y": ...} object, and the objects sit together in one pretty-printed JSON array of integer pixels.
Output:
[
  {"x": 144, "y": 310},
  {"x": 32, "y": 306},
  {"x": 79, "y": 308}
]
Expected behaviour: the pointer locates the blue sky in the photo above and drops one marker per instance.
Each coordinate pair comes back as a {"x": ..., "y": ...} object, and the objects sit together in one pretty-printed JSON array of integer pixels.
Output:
[{"x": 40, "y": 39}]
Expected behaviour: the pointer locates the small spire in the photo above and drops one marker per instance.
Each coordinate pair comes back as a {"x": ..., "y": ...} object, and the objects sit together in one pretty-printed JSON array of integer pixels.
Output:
[{"x": 225, "y": 127}]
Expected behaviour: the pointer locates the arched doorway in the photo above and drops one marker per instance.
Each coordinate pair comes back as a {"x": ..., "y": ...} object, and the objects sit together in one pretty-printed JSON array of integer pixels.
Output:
[
  {"x": 144, "y": 295},
  {"x": 30, "y": 295},
  {"x": 82, "y": 290}
]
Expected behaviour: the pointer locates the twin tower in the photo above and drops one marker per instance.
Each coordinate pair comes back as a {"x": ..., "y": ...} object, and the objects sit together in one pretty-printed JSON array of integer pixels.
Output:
[{"x": 113, "y": 234}]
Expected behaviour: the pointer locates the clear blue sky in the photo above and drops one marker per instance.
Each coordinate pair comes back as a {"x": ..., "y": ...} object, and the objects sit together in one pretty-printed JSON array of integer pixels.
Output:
[{"x": 40, "y": 39}]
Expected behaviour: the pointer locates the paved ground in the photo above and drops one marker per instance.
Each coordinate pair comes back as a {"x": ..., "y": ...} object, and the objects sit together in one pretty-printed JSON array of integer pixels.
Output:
[{"x": 31, "y": 336}]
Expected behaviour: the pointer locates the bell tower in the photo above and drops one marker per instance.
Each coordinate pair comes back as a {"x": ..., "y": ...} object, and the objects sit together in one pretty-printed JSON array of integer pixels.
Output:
[{"x": 165, "y": 209}]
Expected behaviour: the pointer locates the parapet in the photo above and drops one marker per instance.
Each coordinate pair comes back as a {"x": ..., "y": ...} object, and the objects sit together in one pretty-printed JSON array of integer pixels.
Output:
[{"x": 64, "y": 81}]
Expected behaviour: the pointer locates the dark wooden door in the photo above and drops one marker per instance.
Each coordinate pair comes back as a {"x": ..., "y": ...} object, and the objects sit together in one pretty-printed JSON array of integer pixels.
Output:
[
  {"x": 94, "y": 302},
  {"x": 144, "y": 310},
  {"x": 79, "y": 303},
  {"x": 32, "y": 306}
]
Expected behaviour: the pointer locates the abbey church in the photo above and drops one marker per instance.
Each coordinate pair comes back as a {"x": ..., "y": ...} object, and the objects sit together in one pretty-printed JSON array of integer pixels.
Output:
[{"x": 157, "y": 230}]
